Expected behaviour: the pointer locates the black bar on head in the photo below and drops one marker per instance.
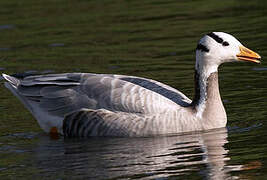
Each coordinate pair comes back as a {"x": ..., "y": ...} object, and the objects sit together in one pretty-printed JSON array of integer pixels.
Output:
[
  {"x": 202, "y": 48},
  {"x": 215, "y": 37}
]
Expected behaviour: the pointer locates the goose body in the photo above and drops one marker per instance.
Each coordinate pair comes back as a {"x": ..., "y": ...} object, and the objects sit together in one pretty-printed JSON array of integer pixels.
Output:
[{"x": 86, "y": 104}]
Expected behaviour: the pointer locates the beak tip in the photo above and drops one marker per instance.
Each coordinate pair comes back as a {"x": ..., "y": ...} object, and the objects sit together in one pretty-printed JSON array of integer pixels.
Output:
[
  {"x": 259, "y": 59},
  {"x": 248, "y": 55}
]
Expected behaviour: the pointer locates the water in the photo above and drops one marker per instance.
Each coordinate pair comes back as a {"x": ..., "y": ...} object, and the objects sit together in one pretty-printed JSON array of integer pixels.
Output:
[
  {"x": 215, "y": 154},
  {"x": 153, "y": 39}
]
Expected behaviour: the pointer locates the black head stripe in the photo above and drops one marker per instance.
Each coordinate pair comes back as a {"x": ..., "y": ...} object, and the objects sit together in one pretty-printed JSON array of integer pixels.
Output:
[
  {"x": 215, "y": 37},
  {"x": 202, "y": 48},
  {"x": 218, "y": 39}
]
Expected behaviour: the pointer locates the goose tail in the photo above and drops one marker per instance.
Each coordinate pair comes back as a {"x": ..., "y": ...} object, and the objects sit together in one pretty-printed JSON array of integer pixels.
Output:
[
  {"x": 12, "y": 85},
  {"x": 12, "y": 80}
]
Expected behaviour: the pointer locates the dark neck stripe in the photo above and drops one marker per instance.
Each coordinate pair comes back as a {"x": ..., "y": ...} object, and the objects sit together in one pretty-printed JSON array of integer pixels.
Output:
[
  {"x": 202, "y": 48},
  {"x": 196, "y": 99},
  {"x": 215, "y": 37}
]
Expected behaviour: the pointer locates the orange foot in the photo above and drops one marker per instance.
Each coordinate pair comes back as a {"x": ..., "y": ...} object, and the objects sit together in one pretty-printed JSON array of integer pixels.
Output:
[{"x": 54, "y": 133}]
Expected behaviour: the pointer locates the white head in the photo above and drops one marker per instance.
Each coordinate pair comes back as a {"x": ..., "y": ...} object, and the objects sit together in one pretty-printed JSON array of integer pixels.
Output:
[
  {"x": 216, "y": 48},
  {"x": 212, "y": 50}
]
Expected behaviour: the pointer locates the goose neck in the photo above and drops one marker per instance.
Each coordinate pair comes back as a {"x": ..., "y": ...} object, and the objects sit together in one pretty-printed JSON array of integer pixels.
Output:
[
  {"x": 207, "y": 103},
  {"x": 203, "y": 82},
  {"x": 200, "y": 94}
]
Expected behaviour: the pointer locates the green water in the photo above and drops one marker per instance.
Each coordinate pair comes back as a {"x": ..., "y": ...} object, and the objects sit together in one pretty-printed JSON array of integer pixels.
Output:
[{"x": 153, "y": 39}]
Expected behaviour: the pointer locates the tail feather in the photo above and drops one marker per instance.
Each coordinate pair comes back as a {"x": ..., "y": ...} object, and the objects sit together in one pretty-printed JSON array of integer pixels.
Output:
[
  {"x": 12, "y": 80},
  {"x": 47, "y": 121},
  {"x": 14, "y": 90},
  {"x": 12, "y": 84}
]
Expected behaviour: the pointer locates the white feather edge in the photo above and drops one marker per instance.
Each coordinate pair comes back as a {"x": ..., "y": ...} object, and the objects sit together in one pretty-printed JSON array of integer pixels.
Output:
[{"x": 206, "y": 72}]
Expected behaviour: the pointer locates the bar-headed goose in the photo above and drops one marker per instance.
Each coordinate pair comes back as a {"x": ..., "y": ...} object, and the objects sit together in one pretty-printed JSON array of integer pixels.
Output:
[{"x": 85, "y": 104}]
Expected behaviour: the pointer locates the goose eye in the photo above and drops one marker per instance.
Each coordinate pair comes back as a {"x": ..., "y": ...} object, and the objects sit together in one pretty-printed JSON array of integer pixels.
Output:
[{"x": 225, "y": 43}]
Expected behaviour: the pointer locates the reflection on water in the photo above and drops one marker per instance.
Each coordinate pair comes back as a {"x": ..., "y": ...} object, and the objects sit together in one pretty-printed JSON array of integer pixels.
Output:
[
  {"x": 212, "y": 155},
  {"x": 199, "y": 154},
  {"x": 203, "y": 155}
]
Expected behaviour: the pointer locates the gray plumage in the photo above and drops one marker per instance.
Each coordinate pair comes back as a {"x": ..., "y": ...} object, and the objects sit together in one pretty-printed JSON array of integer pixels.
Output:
[
  {"x": 86, "y": 104},
  {"x": 102, "y": 104}
]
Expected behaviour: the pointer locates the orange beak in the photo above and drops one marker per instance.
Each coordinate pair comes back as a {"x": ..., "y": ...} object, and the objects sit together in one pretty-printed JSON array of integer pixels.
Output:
[{"x": 248, "y": 55}]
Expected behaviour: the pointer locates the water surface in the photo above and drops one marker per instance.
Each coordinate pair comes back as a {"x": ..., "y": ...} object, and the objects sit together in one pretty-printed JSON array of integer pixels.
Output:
[{"x": 153, "y": 39}]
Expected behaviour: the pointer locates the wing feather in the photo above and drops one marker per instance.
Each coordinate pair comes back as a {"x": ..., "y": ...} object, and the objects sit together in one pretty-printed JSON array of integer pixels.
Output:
[
  {"x": 93, "y": 91},
  {"x": 129, "y": 97}
]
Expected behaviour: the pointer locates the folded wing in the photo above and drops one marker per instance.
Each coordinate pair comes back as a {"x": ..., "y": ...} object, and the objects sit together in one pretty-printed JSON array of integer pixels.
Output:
[{"x": 57, "y": 95}]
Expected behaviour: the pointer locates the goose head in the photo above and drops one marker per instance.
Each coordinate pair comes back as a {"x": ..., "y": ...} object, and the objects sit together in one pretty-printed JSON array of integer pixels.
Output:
[{"x": 216, "y": 48}]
